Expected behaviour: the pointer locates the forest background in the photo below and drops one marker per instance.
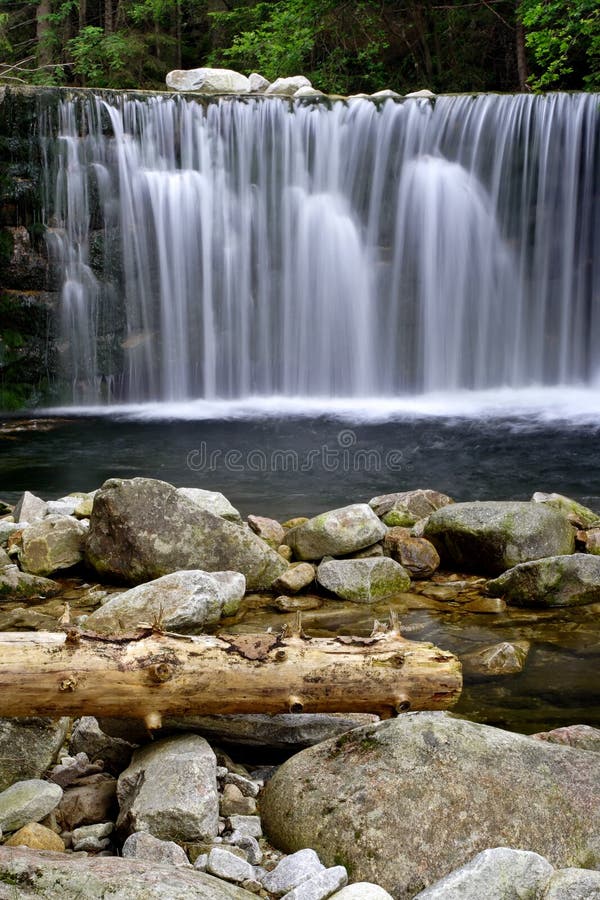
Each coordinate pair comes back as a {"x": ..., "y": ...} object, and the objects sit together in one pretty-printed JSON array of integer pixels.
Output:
[{"x": 343, "y": 47}]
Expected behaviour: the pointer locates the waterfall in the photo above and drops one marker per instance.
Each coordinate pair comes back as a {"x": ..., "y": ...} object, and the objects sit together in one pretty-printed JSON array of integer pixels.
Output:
[{"x": 232, "y": 248}]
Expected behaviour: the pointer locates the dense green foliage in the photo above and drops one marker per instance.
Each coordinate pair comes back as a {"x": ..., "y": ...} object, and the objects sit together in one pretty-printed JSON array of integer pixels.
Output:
[{"x": 342, "y": 45}]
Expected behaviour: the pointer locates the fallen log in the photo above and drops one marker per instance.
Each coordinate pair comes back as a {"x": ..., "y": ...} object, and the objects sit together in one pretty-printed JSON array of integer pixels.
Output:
[{"x": 154, "y": 674}]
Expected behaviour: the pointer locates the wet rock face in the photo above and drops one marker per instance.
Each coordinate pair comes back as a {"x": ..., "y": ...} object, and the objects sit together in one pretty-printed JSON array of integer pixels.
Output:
[
  {"x": 442, "y": 789},
  {"x": 492, "y": 536}
]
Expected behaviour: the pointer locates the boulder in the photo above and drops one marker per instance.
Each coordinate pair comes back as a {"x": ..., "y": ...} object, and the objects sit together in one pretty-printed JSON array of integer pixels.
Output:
[
  {"x": 495, "y": 873},
  {"x": 17, "y": 585},
  {"x": 385, "y": 93},
  {"x": 61, "y": 877},
  {"x": 170, "y": 790},
  {"x": 287, "y": 87},
  {"x": 504, "y": 658},
  {"x": 418, "y": 555},
  {"x": 64, "y": 506},
  {"x": 492, "y": 536},
  {"x": 291, "y": 871},
  {"x": 27, "y": 801},
  {"x": 336, "y": 532},
  {"x": 295, "y": 578},
  {"x": 208, "y": 81},
  {"x": 50, "y": 545},
  {"x": 591, "y": 540},
  {"x": 141, "y": 845},
  {"x": 363, "y": 580},
  {"x": 578, "y": 515},
  {"x": 408, "y": 507},
  {"x": 440, "y": 788},
  {"x": 92, "y": 800},
  {"x": 226, "y": 864},
  {"x": 37, "y": 837},
  {"x": 141, "y": 529},
  {"x": 87, "y": 737},
  {"x": 185, "y": 602},
  {"x": 28, "y": 747},
  {"x": 29, "y": 508},
  {"x": 320, "y": 886},
  {"x": 308, "y": 91},
  {"x": 424, "y": 93},
  {"x": 258, "y": 83},
  {"x": 268, "y": 529},
  {"x": 213, "y": 502},
  {"x": 556, "y": 581}
]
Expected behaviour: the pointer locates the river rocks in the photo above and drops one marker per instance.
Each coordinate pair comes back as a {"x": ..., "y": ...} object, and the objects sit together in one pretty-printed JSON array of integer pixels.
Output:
[
  {"x": 417, "y": 555},
  {"x": 495, "y": 873},
  {"x": 268, "y": 529},
  {"x": 17, "y": 585},
  {"x": 141, "y": 529},
  {"x": 55, "y": 877},
  {"x": 505, "y": 658},
  {"x": 28, "y": 747},
  {"x": 227, "y": 865},
  {"x": 29, "y": 508},
  {"x": 27, "y": 801},
  {"x": 295, "y": 578},
  {"x": 141, "y": 845},
  {"x": 213, "y": 502},
  {"x": 287, "y": 87},
  {"x": 578, "y": 515},
  {"x": 336, "y": 533},
  {"x": 385, "y": 94},
  {"x": 170, "y": 790},
  {"x": 258, "y": 83},
  {"x": 363, "y": 580},
  {"x": 492, "y": 536},
  {"x": 320, "y": 886},
  {"x": 292, "y": 871},
  {"x": 440, "y": 788},
  {"x": 208, "y": 81},
  {"x": 408, "y": 507},
  {"x": 424, "y": 93},
  {"x": 183, "y": 602},
  {"x": 52, "y": 544},
  {"x": 557, "y": 581},
  {"x": 36, "y": 837}
]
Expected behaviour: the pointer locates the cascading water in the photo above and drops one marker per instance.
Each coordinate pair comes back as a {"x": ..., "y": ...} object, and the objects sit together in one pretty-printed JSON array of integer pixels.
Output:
[{"x": 245, "y": 247}]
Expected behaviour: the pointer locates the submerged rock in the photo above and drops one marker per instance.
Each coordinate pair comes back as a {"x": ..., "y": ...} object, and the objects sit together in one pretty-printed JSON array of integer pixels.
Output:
[
  {"x": 492, "y": 536},
  {"x": 363, "y": 580},
  {"x": 556, "y": 581},
  {"x": 336, "y": 532},
  {"x": 505, "y": 658},
  {"x": 440, "y": 788},
  {"x": 208, "y": 81},
  {"x": 141, "y": 529},
  {"x": 50, "y": 545}
]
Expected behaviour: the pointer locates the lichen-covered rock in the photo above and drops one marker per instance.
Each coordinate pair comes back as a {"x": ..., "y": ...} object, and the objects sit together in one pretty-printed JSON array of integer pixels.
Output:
[
  {"x": 50, "y": 545},
  {"x": 27, "y": 801},
  {"x": 440, "y": 788},
  {"x": 183, "y": 601},
  {"x": 17, "y": 585},
  {"x": 405, "y": 508},
  {"x": 336, "y": 532},
  {"x": 28, "y": 747},
  {"x": 212, "y": 501},
  {"x": 418, "y": 555},
  {"x": 59, "y": 877},
  {"x": 576, "y": 513},
  {"x": 363, "y": 580},
  {"x": 492, "y": 536},
  {"x": 287, "y": 87},
  {"x": 498, "y": 872},
  {"x": 208, "y": 81},
  {"x": 36, "y": 837},
  {"x": 556, "y": 581},
  {"x": 504, "y": 658},
  {"x": 141, "y": 529},
  {"x": 170, "y": 790}
]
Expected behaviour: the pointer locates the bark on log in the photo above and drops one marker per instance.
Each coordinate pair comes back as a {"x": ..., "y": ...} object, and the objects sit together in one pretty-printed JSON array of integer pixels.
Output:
[{"x": 49, "y": 674}]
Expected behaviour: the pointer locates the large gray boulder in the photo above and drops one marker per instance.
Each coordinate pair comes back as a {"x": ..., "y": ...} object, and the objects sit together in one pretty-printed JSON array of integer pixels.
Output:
[
  {"x": 50, "y": 545},
  {"x": 336, "y": 532},
  {"x": 208, "y": 81},
  {"x": 28, "y": 747},
  {"x": 185, "y": 602},
  {"x": 55, "y": 876},
  {"x": 556, "y": 581},
  {"x": 363, "y": 580},
  {"x": 492, "y": 536},
  {"x": 170, "y": 790},
  {"x": 141, "y": 529},
  {"x": 438, "y": 789},
  {"x": 500, "y": 873}
]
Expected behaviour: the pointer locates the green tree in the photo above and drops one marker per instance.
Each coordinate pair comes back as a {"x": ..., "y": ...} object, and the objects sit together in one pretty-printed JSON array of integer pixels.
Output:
[{"x": 564, "y": 39}]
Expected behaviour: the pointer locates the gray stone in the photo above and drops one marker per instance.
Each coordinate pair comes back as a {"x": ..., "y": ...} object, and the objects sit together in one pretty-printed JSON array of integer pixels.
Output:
[
  {"x": 320, "y": 886},
  {"x": 250, "y": 825},
  {"x": 92, "y": 844},
  {"x": 268, "y": 529},
  {"x": 233, "y": 585},
  {"x": 183, "y": 602},
  {"x": 440, "y": 788},
  {"x": 91, "y": 801},
  {"x": 5, "y": 559},
  {"x": 308, "y": 91},
  {"x": 213, "y": 502},
  {"x": 17, "y": 585},
  {"x": 258, "y": 83},
  {"x": 201, "y": 862},
  {"x": 556, "y": 581},
  {"x": 336, "y": 532},
  {"x": 424, "y": 93},
  {"x": 88, "y": 737},
  {"x": 292, "y": 871},
  {"x": 248, "y": 844},
  {"x": 27, "y": 801},
  {"x": 208, "y": 81},
  {"x": 492, "y": 536},
  {"x": 573, "y": 884},
  {"x": 504, "y": 658},
  {"x": 8, "y": 528},
  {"x": 101, "y": 830},
  {"x": 72, "y": 768},
  {"x": 385, "y": 93},
  {"x": 295, "y": 578},
  {"x": 362, "y": 890},
  {"x": 59, "y": 877},
  {"x": 247, "y": 787},
  {"x": 50, "y": 545},
  {"x": 363, "y": 580},
  {"x": 496, "y": 874},
  {"x": 66, "y": 506},
  {"x": 287, "y": 87},
  {"x": 29, "y": 508},
  {"x": 141, "y": 529},
  {"x": 227, "y": 865},
  {"x": 417, "y": 555},
  {"x": 145, "y": 846},
  {"x": 170, "y": 790},
  {"x": 578, "y": 515},
  {"x": 408, "y": 507},
  {"x": 582, "y": 737}
]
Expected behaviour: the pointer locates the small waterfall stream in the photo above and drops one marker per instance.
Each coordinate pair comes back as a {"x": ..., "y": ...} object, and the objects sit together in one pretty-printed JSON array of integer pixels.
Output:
[{"x": 243, "y": 247}]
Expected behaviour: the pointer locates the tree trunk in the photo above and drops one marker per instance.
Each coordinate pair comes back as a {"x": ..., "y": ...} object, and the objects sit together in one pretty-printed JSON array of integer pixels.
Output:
[
  {"x": 79, "y": 674},
  {"x": 108, "y": 16},
  {"x": 42, "y": 32},
  {"x": 521, "y": 55}
]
